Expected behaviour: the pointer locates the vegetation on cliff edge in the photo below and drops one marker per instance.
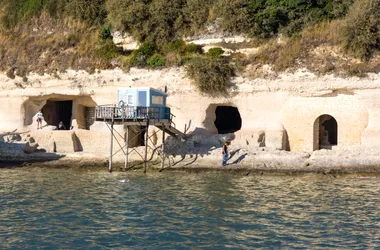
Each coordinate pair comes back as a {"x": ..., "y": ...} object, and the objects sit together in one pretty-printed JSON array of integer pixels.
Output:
[{"x": 54, "y": 35}]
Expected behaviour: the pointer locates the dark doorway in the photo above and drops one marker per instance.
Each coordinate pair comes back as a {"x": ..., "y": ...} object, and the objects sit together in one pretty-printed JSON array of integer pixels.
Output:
[
  {"x": 326, "y": 129},
  {"x": 227, "y": 120},
  {"x": 136, "y": 136},
  {"x": 56, "y": 111},
  {"x": 332, "y": 130}
]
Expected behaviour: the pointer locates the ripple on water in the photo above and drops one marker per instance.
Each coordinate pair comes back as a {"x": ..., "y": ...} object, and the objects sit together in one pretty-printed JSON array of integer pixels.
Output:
[{"x": 63, "y": 208}]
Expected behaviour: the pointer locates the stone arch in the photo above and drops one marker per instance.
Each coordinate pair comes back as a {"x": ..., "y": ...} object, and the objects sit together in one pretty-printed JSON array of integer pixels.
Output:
[
  {"x": 325, "y": 132},
  {"x": 299, "y": 114}
]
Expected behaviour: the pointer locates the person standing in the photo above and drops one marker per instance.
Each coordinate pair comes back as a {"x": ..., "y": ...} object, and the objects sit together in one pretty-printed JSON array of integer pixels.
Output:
[
  {"x": 40, "y": 117},
  {"x": 225, "y": 154}
]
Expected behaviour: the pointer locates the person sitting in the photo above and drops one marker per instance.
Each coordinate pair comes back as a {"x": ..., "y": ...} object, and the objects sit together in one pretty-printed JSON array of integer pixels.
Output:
[{"x": 61, "y": 126}]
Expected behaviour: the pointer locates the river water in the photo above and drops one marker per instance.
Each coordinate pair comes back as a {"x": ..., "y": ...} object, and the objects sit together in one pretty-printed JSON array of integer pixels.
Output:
[{"x": 81, "y": 209}]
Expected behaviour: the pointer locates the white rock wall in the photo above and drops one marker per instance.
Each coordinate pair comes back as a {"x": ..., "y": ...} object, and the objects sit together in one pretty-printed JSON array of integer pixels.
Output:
[{"x": 283, "y": 109}]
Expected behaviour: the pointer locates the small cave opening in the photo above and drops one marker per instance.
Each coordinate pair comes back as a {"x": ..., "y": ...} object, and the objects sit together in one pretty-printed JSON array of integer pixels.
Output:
[
  {"x": 57, "y": 111},
  {"x": 227, "y": 120}
]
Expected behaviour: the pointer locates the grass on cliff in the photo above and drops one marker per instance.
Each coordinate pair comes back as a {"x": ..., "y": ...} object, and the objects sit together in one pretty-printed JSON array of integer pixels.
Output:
[{"x": 47, "y": 36}]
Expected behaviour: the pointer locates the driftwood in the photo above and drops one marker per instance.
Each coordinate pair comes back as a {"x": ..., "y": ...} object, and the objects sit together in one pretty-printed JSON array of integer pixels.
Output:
[{"x": 14, "y": 133}]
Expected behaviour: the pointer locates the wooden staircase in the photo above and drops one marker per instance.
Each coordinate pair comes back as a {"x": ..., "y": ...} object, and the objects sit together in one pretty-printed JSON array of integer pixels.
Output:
[{"x": 171, "y": 131}]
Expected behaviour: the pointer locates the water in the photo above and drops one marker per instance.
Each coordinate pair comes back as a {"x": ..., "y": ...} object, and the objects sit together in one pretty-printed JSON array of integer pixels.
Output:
[{"x": 71, "y": 209}]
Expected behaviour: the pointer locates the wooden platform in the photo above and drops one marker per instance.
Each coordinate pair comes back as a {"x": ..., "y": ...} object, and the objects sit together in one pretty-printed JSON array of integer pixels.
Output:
[
  {"x": 131, "y": 115},
  {"x": 144, "y": 117}
]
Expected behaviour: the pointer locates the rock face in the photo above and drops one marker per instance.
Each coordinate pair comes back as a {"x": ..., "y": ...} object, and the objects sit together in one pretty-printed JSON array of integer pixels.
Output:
[
  {"x": 31, "y": 146},
  {"x": 296, "y": 112}
]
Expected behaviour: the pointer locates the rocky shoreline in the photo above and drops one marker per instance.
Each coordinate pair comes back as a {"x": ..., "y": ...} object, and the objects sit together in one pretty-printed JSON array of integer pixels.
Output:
[
  {"x": 258, "y": 167},
  {"x": 184, "y": 156}
]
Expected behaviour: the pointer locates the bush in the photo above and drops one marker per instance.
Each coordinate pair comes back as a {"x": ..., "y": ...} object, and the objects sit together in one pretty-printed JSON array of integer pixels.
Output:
[
  {"x": 148, "y": 21},
  {"x": 140, "y": 56},
  {"x": 210, "y": 76},
  {"x": 173, "y": 59},
  {"x": 105, "y": 33},
  {"x": 215, "y": 52},
  {"x": 11, "y": 73},
  {"x": 156, "y": 61},
  {"x": 92, "y": 12},
  {"x": 108, "y": 50},
  {"x": 193, "y": 49},
  {"x": 178, "y": 46},
  {"x": 267, "y": 18},
  {"x": 30, "y": 8},
  {"x": 361, "y": 35}
]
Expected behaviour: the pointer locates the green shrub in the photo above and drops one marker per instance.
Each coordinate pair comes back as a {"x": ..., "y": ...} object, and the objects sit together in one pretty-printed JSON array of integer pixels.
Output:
[
  {"x": 30, "y": 8},
  {"x": 105, "y": 33},
  {"x": 91, "y": 11},
  {"x": 55, "y": 8},
  {"x": 215, "y": 52},
  {"x": 147, "y": 49},
  {"x": 210, "y": 76},
  {"x": 108, "y": 50},
  {"x": 158, "y": 21},
  {"x": 262, "y": 18},
  {"x": 156, "y": 61},
  {"x": 192, "y": 48},
  {"x": 361, "y": 35},
  {"x": 178, "y": 46},
  {"x": 140, "y": 56}
]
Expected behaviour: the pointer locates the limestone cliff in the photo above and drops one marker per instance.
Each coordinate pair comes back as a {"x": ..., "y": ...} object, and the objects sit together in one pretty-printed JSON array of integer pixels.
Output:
[{"x": 286, "y": 109}]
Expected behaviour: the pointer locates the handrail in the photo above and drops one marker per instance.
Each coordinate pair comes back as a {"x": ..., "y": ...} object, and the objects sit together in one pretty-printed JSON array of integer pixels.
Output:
[{"x": 132, "y": 112}]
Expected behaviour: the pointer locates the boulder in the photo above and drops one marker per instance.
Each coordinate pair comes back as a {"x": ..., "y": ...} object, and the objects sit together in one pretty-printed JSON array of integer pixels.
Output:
[
  {"x": 31, "y": 146},
  {"x": 12, "y": 137}
]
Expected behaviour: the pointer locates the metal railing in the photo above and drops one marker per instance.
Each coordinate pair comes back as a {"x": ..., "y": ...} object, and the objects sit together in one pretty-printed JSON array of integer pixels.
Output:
[{"x": 132, "y": 112}]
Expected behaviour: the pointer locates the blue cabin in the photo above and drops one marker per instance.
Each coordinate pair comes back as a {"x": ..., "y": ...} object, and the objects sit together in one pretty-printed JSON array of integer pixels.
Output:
[{"x": 137, "y": 103}]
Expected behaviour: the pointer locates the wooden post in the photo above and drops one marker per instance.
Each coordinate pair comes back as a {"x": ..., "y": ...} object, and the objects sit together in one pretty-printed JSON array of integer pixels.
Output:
[
  {"x": 163, "y": 147},
  {"x": 110, "y": 161},
  {"x": 126, "y": 148},
  {"x": 122, "y": 111},
  {"x": 146, "y": 144}
]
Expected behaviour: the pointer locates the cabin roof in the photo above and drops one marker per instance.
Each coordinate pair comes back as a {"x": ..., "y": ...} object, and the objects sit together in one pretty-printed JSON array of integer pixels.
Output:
[{"x": 144, "y": 88}]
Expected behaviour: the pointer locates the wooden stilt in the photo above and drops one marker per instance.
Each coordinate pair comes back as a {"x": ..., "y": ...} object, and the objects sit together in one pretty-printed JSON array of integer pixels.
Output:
[
  {"x": 146, "y": 144},
  {"x": 163, "y": 147},
  {"x": 111, "y": 146},
  {"x": 126, "y": 148}
]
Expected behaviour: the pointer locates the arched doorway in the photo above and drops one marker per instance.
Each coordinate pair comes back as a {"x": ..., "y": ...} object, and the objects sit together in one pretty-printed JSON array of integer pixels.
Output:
[{"x": 325, "y": 132}]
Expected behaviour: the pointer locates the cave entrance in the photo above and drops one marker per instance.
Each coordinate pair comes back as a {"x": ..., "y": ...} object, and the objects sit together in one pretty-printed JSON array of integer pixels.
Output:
[
  {"x": 56, "y": 111},
  {"x": 227, "y": 120},
  {"x": 325, "y": 132}
]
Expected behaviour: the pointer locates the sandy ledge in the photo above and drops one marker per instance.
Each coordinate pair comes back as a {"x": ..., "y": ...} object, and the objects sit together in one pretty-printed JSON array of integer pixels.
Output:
[{"x": 273, "y": 166}]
